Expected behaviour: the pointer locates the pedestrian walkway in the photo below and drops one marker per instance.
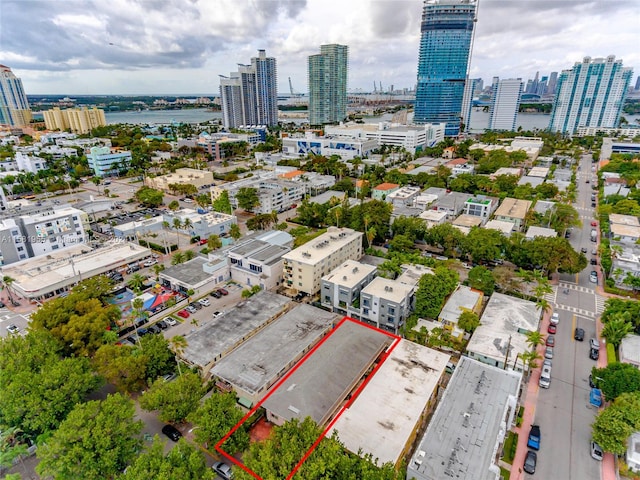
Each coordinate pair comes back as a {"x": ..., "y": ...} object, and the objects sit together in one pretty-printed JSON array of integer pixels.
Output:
[
  {"x": 600, "y": 304},
  {"x": 578, "y": 311},
  {"x": 551, "y": 296},
  {"x": 579, "y": 288}
]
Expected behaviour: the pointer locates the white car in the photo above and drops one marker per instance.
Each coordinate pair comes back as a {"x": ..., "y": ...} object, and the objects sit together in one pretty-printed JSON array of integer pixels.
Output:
[
  {"x": 171, "y": 321},
  {"x": 150, "y": 262},
  {"x": 204, "y": 302},
  {"x": 555, "y": 318},
  {"x": 217, "y": 314},
  {"x": 13, "y": 329}
]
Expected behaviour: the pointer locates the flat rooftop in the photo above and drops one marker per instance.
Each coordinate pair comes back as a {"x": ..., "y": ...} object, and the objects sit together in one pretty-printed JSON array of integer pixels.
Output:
[
  {"x": 466, "y": 220},
  {"x": 630, "y": 349},
  {"x": 462, "y": 435},
  {"x": 189, "y": 273},
  {"x": 433, "y": 215},
  {"x": 264, "y": 358},
  {"x": 317, "y": 249},
  {"x": 539, "y": 172},
  {"x": 321, "y": 383},
  {"x": 624, "y": 230},
  {"x": 349, "y": 274},
  {"x": 383, "y": 417},
  {"x": 511, "y": 207},
  {"x": 388, "y": 289},
  {"x": 500, "y": 225},
  {"x": 219, "y": 336},
  {"x": 511, "y": 313},
  {"x": 534, "y": 231},
  {"x": 624, "y": 219},
  {"x": 462, "y": 299}
]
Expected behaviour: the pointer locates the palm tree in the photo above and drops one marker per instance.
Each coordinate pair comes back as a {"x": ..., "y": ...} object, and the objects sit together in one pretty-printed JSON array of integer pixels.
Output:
[
  {"x": 616, "y": 328},
  {"x": 11, "y": 447},
  {"x": 7, "y": 281},
  {"x": 177, "y": 224},
  {"x": 157, "y": 268},
  {"x": 189, "y": 255},
  {"x": 187, "y": 223},
  {"x": 543, "y": 304},
  {"x": 136, "y": 282},
  {"x": 136, "y": 312},
  {"x": 178, "y": 345},
  {"x": 234, "y": 231},
  {"x": 177, "y": 258},
  {"x": 214, "y": 242},
  {"x": 534, "y": 339}
]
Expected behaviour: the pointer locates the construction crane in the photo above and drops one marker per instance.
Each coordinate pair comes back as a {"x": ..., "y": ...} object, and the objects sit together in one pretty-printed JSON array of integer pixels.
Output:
[{"x": 293, "y": 94}]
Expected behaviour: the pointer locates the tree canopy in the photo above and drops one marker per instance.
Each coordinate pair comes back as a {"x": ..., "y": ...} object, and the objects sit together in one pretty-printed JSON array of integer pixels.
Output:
[
  {"x": 247, "y": 198},
  {"x": 615, "y": 379},
  {"x": 149, "y": 197},
  {"x": 433, "y": 291},
  {"x": 174, "y": 400},
  {"x": 617, "y": 422}
]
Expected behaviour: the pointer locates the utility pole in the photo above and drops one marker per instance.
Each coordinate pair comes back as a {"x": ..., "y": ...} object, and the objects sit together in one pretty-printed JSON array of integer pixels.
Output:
[{"x": 506, "y": 356}]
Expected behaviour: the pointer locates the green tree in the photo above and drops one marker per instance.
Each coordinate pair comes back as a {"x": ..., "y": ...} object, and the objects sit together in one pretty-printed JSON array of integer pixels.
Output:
[
  {"x": 222, "y": 203},
  {"x": 149, "y": 197},
  {"x": 189, "y": 255},
  {"x": 484, "y": 244},
  {"x": 468, "y": 321},
  {"x": 214, "y": 242},
  {"x": 159, "y": 355},
  {"x": 136, "y": 282},
  {"x": 481, "y": 278},
  {"x": 445, "y": 236},
  {"x": 617, "y": 422},
  {"x": 617, "y": 327},
  {"x": 534, "y": 338},
  {"x": 96, "y": 441},
  {"x": 215, "y": 417},
  {"x": 234, "y": 231},
  {"x": 433, "y": 291},
  {"x": 183, "y": 461},
  {"x": 11, "y": 448},
  {"x": 174, "y": 400},
  {"x": 174, "y": 205},
  {"x": 401, "y": 243},
  {"x": 123, "y": 367},
  {"x": 247, "y": 198},
  {"x": 616, "y": 379},
  {"x": 178, "y": 258}
]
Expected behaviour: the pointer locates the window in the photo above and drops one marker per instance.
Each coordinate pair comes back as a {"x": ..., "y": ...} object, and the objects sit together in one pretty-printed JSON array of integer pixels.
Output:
[
  {"x": 54, "y": 247},
  {"x": 365, "y": 311},
  {"x": 365, "y": 302},
  {"x": 20, "y": 249},
  {"x": 327, "y": 298},
  {"x": 391, "y": 310}
]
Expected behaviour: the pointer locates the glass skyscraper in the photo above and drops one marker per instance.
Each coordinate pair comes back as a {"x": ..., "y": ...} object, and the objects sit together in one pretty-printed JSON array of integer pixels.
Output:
[
  {"x": 591, "y": 94},
  {"x": 445, "y": 47},
  {"x": 14, "y": 107},
  {"x": 328, "y": 84}
]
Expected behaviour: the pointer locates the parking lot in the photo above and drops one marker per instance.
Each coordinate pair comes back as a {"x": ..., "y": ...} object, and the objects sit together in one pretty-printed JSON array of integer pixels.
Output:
[{"x": 8, "y": 318}]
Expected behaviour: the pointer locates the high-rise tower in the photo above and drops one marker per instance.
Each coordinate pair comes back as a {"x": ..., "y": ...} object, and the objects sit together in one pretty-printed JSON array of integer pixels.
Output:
[
  {"x": 505, "y": 101},
  {"x": 250, "y": 95},
  {"x": 328, "y": 84},
  {"x": 591, "y": 94},
  {"x": 14, "y": 107},
  {"x": 445, "y": 48}
]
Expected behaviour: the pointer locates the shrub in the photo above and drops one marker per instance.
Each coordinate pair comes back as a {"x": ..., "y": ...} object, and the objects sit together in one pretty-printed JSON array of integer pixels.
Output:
[{"x": 611, "y": 353}]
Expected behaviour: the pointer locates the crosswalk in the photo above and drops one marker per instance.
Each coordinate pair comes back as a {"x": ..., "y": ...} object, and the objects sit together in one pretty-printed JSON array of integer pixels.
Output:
[
  {"x": 579, "y": 288},
  {"x": 559, "y": 291},
  {"x": 600, "y": 304},
  {"x": 577, "y": 311}
]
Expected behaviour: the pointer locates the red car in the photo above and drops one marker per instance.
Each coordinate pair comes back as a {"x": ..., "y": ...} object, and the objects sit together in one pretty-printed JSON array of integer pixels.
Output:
[
  {"x": 222, "y": 291},
  {"x": 202, "y": 241},
  {"x": 183, "y": 314},
  {"x": 552, "y": 329},
  {"x": 594, "y": 224}
]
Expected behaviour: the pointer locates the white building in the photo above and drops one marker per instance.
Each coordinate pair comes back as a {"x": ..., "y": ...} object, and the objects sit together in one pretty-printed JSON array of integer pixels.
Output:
[
  {"x": 104, "y": 162},
  {"x": 201, "y": 225},
  {"x": 387, "y": 303},
  {"x": 341, "y": 288},
  {"x": 274, "y": 194},
  {"x": 27, "y": 163},
  {"x": 346, "y": 148},
  {"x": 403, "y": 197},
  {"x": 305, "y": 266},
  {"x": 505, "y": 103},
  {"x": 256, "y": 262}
]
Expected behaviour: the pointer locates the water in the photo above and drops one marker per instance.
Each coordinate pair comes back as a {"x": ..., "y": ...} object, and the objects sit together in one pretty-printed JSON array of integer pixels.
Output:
[{"x": 144, "y": 117}]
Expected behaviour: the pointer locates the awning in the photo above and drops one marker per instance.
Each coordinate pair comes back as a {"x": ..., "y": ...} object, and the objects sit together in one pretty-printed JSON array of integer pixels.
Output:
[{"x": 245, "y": 402}]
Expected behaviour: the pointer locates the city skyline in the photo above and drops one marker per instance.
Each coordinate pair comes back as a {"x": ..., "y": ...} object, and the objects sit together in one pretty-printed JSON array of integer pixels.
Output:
[{"x": 128, "y": 49}]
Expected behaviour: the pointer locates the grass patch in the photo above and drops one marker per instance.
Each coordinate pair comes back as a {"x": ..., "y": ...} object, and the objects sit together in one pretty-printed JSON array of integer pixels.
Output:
[
  {"x": 509, "y": 447},
  {"x": 611, "y": 353},
  {"x": 519, "y": 416},
  {"x": 504, "y": 473}
]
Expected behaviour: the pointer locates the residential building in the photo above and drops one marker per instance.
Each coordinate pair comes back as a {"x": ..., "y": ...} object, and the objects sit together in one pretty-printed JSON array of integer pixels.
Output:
[
  {"x": 467, "y": 101},
  {"x": 506, "y": 228},
  {"x": 256, "y": 365},
  {"x": 213, "y": 143},
  {"x": 629, "y": 351},
  {"x": 319, "y": 385},
  {"x": 27, "y": 163},
  {"x": 305, "y": 266},
  {"x": 463, "y": 299},
  {"x": 505, "y": 102},
  {"x": 403, "y": 197},
  {"x": 410, "y": 137},
  {"x": 514, "y": 211},
  {"x": 464, "y": 437},
  {"x": 341, "y": 288},
  {"x": 632, "y": 455},
  {"x": 198, "y": 275},
  {"x": 591, "y": 94},
  {"x": 481, "y": 206},
  {"x": 387, "y": 303},
  {"x": 501, "y": 338},
  {"x": 182, "y": 176},
  {"x": 380, "y": 192},
  {"x": 515, "y": 171},
  {"x": 452, "y": 203},
  {"x": 14, "y": 106},
  {"x": 250, "y": 96},
  {"x": 104, "y": 162},
  {"x": 621, "y": 233},
  {"x": 611, "y": 145},
  {"x": 328, "y": 72},
  {"x": 403, "y": 392},
  {"x": 434, "y": 217},
  {"x": 201, "y": 225},
  {"x": 533, "y": 232},
  {"x": 274, "y": 194},
  {"x": 256, "y": 262},
  {"x": 347, "y": 148},
  {"x": 445, "y": 49},
  {"x": 78, "y": 120},
  {"x": 314, "y": 182}
]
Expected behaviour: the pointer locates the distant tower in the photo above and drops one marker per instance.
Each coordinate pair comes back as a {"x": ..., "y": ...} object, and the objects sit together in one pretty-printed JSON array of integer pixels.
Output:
[
  {"x": 638, "y": 83},
  {"x": 250, "y": 96},
  {"x": 14, "y": 107},
  {"x": 553, "y": 82},
  {"x": 505, "y": 101},
  {"x": 467, "y": 102},
  {"x": 591, "y": 94},
  {"x": 445, "y": 48},
  {"x": 328, "y": 72}
]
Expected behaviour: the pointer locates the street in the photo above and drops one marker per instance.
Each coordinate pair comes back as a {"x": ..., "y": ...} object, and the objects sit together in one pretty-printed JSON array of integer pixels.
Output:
[{"x": 563, "y": 411}]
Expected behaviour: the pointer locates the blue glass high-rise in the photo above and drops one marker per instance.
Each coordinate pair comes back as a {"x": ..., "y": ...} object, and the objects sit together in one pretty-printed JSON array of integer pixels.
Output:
[{"x": 445, "y": 46}]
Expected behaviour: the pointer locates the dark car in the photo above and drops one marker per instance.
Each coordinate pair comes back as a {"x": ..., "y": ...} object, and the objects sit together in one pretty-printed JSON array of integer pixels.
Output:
[
  {"x": 195, "y": 305},
  {"x": 578, "y": 334},
  {"x": 591, "y": 384},
  {"x": 530, "y": 462},
  {"x": 594, "y": 354},
  {"x": 143, "y": 331},
  {"x": 215, "y": 294},
  {"x": 222, "y": 291},
  {"x": 551, "y": 341},
  {"x": 2, "y": 305},
  {"x": 534, "y": 437},
  {"x": 583, "y": 249},
  {"x": 162, "y": 325},
  {"x": 594, "y": 261},
  {"x": 223, "y": 470},
  {"x": 172, "y": 432},
  {"x": 154, "y": 329}
]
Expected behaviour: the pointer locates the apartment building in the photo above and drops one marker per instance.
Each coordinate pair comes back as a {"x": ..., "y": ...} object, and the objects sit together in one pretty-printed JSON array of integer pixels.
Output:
[
  {"x": 514, "y": 211},
  {"x": 387, "y": 303},
  {"x": 256, "y": 262},
  {"x": 341, "y": 288},
  {"x": 404, "y": 197},
  {"x": 382, "y": 191},
  {"x": 481, "y": 206},
  {"x": 274, "y": 194},
  {"x": 305, "y": 266},
  {"x": 105, "y": 162},
  {"x": 78, "y": 120},
  {"x": 201, "y": 225},
  {"x": 346, "y": 148},
  {"x": 27, "y": 163}
]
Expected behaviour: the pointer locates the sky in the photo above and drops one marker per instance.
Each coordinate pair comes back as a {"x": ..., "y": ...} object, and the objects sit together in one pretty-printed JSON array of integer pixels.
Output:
[{"x": 157, "y": 47}]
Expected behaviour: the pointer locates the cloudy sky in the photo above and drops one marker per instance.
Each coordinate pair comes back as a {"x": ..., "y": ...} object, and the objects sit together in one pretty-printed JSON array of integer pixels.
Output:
[{"x": 181, "y": 46}]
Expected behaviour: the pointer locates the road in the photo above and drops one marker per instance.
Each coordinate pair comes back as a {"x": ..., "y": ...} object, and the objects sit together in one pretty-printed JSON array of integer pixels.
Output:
[{"x": 563, "y": 411}]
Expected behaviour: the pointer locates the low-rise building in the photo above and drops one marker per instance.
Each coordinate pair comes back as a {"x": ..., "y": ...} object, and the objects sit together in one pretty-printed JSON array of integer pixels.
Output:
[
  {"x": 106, "y": 162},
  {"x": 182, "y": 176},
  {"x": 624, "y": 233},
  {"x": 463, "y": 299},
  {"x": 201, "y": 225},
  {"x": 305, "y": 266},
  {"x": 386, "y": 416},
  {"x": 632, "y": 456},
  {"x": 516, "y": 172},
  {"x": 434, "y": 217},
  {"x": 274, "y": 194},
  {"x": 453, "y": 203},
  {"x": 321, "y": 383},
  {"x": 135, "y": 229},
  {"x": 256, "y": 365},
  {"x": 541, "y": 172},
  {"x": 611, "y": 145},
  {"x": 256, "y": 262},
  {"x": 514, "y": 211},
  {"x": 465, "y": 434},
  {"x": 28, "y": 163},
  {"x": 502, "y": 335},
  {"x": 345, "y": 147},
  {"x": 199, "y": 275},
  {"x": 467, "y": 221},
  {"x": 628, "y": 220},
  {"x": 387, "y": 303},
  {"x": 533, "y": 232},
  {"x": 403, "y": 197},
  {"x": 481, "y": 206},
  {"x": 341, "y": 288},
  {"x": 382, "y": 191},
  {"x": 629, "y": 350}
]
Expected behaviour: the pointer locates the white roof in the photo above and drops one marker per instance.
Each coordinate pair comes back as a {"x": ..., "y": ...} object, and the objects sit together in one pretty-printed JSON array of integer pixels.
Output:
[
  {"x": 501, "y": 225},
  {"x": 388, "y": 289},
  {"x": 349, "y": 274},
  {"x": 534, "y": 231},
  {"x": 319, "y": 248}
]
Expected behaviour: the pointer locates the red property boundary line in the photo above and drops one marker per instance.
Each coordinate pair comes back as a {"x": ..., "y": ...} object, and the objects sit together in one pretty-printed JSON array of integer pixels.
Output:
[{"x": 218, "y": 446}]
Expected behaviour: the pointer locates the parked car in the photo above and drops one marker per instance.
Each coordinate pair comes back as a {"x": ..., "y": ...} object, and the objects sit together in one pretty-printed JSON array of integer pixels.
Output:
[
  {"x": 594, "y": 261},
  {"x": 150, "y": 262},
  {"x": 594, "y": 343},
  {"x": 191, "y": 309},
  {"x": 195, "y": 305},
  {"x": 583, "y": 249},
  {"x": 594, "y": 223},
  {"x": 202, "y": 241},
  {"x": 591, "y": 384},
  {"x": 593, "y": 276},
  {"x": 547, "y": 362},
  {"x": 133, "y": 268},
  {"x": 13, "y": 329},
  {"x": 578, "y": 334},
  {"x": 142, "y": 331},
  {"x": 551, "y": 341},
  {"x": 222, "y": 291},
  {"x": 154, "y": 329},
  {"x": 216, "y": 314},
  {"x": 596, "y": 451},
  {"x": 162, "y": 325},
  {"x": 223, "y": 470},
  {"x": 530, "y": 462},
  {"x": 552, "y": 328},
  {"x": 183, "y": 314},
  {"x": 555, "y": 318},
  {"x": 2, "y": 305},
  {"x": 204, "y": 302},
  {"x": 215, "y": 294},
  {"x": 172, "y": 432},
  {"x": 548, "y": 353},
  {"x": 172, "y": 322},
  {"x": 534, "y": 437},
  {"x": 594, "y": 354}
]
